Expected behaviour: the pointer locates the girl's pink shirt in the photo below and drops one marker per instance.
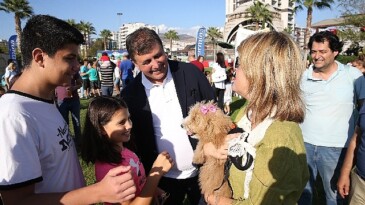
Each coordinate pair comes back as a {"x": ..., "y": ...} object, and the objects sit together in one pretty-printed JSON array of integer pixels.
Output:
[{"x": 129, "y": 158}]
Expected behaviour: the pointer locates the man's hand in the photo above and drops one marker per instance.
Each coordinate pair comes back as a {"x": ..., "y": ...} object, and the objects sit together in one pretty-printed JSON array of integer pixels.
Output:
[
  {"x": 343, "y": 185},
  {"x": 117, "y": 185}
]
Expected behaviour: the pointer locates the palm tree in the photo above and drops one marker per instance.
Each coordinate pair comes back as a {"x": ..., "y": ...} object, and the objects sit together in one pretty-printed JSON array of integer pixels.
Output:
[
  {"x": 310, "y": 5},
  {"x": 288, "y": 30},
  {"x": 73, "y": 23},
  {"x": 86, "y": 28},
  {"x": 214, "y": 34},
  {"x": 266, "y": 16},
  {"x": 21, "y": 10},
  {"x": 105, "y": 35},
  {"x": 354, "y": 15},
  {"x": 172, "y": 36},
  {"x": 259, "y": 13}
]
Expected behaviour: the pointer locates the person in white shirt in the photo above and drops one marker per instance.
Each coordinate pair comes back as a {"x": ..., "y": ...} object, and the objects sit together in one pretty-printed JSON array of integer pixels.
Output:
[
  {"x": 38, "y": 159},
  {"x": 10, "y": 72},
  {"x": 158, "y": 99}
]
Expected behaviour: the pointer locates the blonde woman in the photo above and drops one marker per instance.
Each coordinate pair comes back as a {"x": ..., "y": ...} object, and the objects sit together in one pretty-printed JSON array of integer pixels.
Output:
[
  {"x": 268, "y": 160},
  {"x": 10, "y": 72}
]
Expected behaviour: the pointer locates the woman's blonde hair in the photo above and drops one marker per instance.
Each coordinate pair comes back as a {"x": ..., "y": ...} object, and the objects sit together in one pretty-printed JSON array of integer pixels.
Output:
[
  {"x": 273, "y": 66},
  {"x": 11, "y": 66}
]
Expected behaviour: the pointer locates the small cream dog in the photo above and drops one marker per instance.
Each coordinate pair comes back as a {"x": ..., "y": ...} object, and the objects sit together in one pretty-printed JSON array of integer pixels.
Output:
[{"x": 208, "y": 123}]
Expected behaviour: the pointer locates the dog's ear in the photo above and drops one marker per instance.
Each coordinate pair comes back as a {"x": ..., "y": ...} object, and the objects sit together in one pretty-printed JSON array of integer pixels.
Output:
[{"x": 193, "y": 121}]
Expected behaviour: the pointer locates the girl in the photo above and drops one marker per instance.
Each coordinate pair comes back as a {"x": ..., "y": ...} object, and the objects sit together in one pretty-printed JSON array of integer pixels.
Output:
[
  {"x": 227, "y": 99},
  {"x": 219, "y": 85},
  {"x": 107, "y": 128}
]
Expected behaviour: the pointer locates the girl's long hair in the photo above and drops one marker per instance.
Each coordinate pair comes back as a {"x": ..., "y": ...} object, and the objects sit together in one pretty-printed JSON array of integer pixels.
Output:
[
  {"x": 96, "y": 146},
  {"x": 220, "y": 60}
]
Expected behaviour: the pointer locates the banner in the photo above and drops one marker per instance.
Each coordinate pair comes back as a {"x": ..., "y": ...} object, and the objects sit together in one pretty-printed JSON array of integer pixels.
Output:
[
  {"x": 199, "y": 45},
  {"x": 12, "y": 47}
]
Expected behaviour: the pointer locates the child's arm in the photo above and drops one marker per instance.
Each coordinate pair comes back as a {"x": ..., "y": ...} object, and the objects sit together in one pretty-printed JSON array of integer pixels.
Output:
[{"x": 161, "y": 166}]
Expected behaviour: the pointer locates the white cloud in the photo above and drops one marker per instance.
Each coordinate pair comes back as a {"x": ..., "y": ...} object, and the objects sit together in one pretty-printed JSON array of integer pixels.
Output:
[{"x": 162, "y": 28}]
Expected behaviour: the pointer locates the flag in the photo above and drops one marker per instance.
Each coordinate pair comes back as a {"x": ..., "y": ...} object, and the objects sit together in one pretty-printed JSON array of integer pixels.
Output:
[
  {"x": 199, "y": 45},
  {"x": 12, "y": 47}
]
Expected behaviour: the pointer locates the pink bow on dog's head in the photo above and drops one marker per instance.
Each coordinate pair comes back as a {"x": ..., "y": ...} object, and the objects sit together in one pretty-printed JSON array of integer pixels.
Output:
[{"x": 208, "y": 108}]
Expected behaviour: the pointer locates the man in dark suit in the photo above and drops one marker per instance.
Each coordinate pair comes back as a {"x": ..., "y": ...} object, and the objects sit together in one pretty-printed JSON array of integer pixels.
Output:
[{"x": 158, "y": 99}]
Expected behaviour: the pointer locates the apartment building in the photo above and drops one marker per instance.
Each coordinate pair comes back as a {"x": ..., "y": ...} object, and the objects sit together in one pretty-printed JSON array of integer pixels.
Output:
[
  {"x": 236, "y": 14},
  {"x": 128, "y": 28}
]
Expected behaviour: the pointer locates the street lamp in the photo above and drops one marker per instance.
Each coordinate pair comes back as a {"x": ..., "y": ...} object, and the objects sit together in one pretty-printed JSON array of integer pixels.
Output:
[{"x": 119, "y": 14}]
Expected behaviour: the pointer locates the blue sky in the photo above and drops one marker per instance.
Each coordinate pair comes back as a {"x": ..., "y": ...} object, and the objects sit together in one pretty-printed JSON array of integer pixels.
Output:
[{"x": 184, "y": 16}]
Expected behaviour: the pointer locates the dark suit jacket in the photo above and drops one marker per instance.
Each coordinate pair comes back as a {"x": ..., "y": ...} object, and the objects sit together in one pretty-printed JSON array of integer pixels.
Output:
[{"x": 191, "y": 86}]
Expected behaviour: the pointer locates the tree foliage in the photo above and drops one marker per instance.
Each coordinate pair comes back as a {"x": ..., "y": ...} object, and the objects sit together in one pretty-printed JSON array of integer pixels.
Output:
[
  {"x": 353, "y": 11},
  {"x": 73, "y": 23},
  {"x": 260, "y": 14},
  {"x": 97, "y": 45},
  {"x": 21, "y": 10},
  {"x": 172, "y": 36},
  {"x": 3, "y": 48},
  {"x": 86, "y": 28},
  {"x": 105, "y": 35},
  {"x": 310, "y": 5},
  {"x": 213, "y": 34},
  {"x": 289, "y": 30}
]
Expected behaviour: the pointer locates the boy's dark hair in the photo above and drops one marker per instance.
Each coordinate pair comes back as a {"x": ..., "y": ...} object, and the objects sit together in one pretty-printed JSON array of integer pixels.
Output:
[
  {"x": 95, "y": 146},
  {"x": 49, "y": 34},
  {"x": 334, "y": 42},
  {"x": 142, "y": 41}
]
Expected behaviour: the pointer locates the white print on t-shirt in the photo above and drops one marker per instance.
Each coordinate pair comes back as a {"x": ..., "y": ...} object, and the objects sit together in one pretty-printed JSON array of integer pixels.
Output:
[
  {"x": 65, "y": 137},
  {"x": 132, "y": 163}
]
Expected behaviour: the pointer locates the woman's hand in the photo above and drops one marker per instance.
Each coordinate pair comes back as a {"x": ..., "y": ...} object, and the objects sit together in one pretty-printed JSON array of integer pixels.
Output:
[{"x": 220, "y": 152}]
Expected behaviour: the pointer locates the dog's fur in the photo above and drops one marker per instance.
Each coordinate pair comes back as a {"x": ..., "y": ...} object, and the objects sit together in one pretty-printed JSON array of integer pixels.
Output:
[{"x": 209, "y": 127}]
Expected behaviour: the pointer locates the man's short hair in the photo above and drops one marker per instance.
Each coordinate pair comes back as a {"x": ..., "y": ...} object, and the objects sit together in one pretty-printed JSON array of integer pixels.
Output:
[
  {"x": 334, "y": 42},
  {"x": 141, "y": 41},
  {"x": 49, "y": 34}
]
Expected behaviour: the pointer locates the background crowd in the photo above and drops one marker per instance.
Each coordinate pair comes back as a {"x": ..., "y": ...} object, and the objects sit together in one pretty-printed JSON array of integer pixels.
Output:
[{"x": 299, "y": 122}]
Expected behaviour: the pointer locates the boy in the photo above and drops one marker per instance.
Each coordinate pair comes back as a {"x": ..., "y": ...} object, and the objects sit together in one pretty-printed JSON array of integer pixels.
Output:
[{"x": 38, "y": 159}]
